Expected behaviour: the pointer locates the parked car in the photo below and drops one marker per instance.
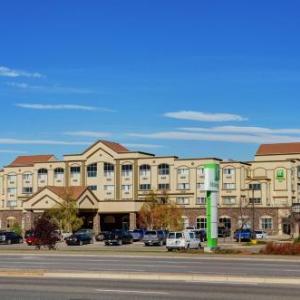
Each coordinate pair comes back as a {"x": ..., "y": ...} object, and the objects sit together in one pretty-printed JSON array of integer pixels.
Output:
[
  {"x": 10, "y": 237},
  {"x": 137, "y": 234},
  {"x": 182, "y": 240},
  {"x": 155, "y": 237},
  {"x": 101, "y": 236},
  {"x": 79, "y": 238},
  {"x": 31, "y": 240},
  {"x": 260, "y": 234},
  {"x": 118, "y": 237},
  {"x": 244, "y": 235}
]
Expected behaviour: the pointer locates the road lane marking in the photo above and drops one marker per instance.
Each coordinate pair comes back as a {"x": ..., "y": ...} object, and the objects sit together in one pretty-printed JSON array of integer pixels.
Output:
[{"x": 131, "y": 292}]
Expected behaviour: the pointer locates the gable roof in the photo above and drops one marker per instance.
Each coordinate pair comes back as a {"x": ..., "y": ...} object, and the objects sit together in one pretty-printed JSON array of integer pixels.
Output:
[
  {"x": 21, "y": 161},
  {"x": 73, "y": 191},
  {"x": 115, "y": 146},
  {"x": 280, "y": 148}
]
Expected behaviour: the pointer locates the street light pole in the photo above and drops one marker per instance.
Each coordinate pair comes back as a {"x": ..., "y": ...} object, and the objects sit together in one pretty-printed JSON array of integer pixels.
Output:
[{"x": 253, "y": 214}]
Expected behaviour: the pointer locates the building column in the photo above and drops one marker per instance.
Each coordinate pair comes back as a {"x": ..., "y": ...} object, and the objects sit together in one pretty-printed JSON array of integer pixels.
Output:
[
  {"x": 132, "y": 221},
  {"x": 28, "y": 220},
  {"x": 96, "y": 223}
]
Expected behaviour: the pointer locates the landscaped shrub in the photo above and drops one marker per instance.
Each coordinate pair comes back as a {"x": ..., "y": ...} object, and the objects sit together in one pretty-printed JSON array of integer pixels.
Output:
[{"x": 282, "y": 249}]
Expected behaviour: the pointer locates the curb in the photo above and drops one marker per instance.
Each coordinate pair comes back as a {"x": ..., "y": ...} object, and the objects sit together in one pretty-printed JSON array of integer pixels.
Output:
[{"x": 152, "y": 277}]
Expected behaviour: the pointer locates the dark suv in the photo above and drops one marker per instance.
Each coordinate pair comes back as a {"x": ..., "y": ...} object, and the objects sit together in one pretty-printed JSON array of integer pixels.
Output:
[
  {"x": 118, "y": 237},
  {"x": 155, "y": 237},
  {"x": 9, "y": 237}
]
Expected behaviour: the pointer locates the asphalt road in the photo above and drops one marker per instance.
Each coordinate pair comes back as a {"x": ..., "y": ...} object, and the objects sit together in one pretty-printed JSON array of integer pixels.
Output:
[
  {"x": 169, "y": 264},
  {"x": 48, "y": 289}
]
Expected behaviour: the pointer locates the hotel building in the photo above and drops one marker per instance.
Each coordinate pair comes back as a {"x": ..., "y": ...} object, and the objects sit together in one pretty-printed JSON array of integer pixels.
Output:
[{"x": 110, "y": 184}]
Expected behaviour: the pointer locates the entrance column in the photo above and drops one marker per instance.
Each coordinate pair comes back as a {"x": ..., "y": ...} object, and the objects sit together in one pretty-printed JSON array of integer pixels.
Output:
[
  {"x": 96, "y": 223},
  {"x": 132, "y": 221}
]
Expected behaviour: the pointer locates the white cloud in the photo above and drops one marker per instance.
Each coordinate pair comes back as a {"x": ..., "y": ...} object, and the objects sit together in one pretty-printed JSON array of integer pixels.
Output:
[
  {"x": 12, "y": 151},
  {"x": 7, "y": 72},
  {"x": 94, "y": 134},
  {"x": 139, "y": 146},
  {"x": 245, "y": 129},
  {"x": 215, "y": 137},
  {"x": 13, "y": 141},
  {"x": 39, "y": 106},
  {"x": 55, "y": 89},
  {"x": 204, "y": 117}
]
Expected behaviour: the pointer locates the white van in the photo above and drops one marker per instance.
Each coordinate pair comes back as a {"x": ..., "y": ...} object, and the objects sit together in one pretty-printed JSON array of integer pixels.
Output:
[{"x": 182, "y": 240}]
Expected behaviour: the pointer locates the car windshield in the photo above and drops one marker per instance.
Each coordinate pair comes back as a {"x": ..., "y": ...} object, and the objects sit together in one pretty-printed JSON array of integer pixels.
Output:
[
  {"x": 137, "y": 231},
  {"x": 151, "y": 232},
  {"x": 178, "y": 235},
  {"x": 258, "y": 231}
]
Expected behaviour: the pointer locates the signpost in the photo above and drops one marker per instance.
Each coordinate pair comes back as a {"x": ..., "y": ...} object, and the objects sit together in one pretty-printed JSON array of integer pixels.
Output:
[{"x": 211, "y": 186}]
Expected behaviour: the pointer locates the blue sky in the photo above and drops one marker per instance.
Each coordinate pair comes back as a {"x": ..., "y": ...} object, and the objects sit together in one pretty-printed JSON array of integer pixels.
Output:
[{"x": 190, "y": 78}]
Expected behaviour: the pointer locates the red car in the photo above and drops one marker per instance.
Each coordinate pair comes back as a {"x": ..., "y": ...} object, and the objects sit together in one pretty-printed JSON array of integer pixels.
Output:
[{"x": 31, "y": 240}]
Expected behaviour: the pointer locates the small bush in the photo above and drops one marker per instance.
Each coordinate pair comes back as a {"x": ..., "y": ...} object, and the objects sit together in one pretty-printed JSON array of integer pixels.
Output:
[
  {"x": 282, "y": 249},
  {"x": 297, "y": 240},
  {"x": 16, "y": 228}
]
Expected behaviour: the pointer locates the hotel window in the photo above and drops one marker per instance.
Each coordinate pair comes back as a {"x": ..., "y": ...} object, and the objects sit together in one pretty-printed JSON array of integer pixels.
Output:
[
  {"x": 27, "y": 176},
  {"x": 228, "y": 171},
  {"x": 27, "y": 190},
  {"x": 108, "y": 169},
  {"x": 164, "y": 186},
  {"x": 109, "y": 188},
  {"x": 126, "y": 187},
  {"x": 266, "y": 223},
  {"x": 126, "y": 170},
  {"x": 229, "y": 186},
  {"x": 183, "y": 186},
  {"x": 200, "y": 186},
  {"x": 163, "y": 169},
  {"x": 59, "y": 173},
  {"x": 255, "y": 200},
  {"x": 229, "y": 200},
  {"x": 225, "y": 222},
  {"x": 92, "y": 187},
  {"x": 200, "y": 171},
  {"x": 11, "y": 203},
  {"x": 11, "y": 178},
  {"x": 201, "y": 223},
  {"x": 145, "y": 187},
  {"x": 182, "y": 200},
  {"x": 183, "y": 171},
  {"x": 200, "y": 201},
  {"x": 255, "y": 186},
  {"x": 92, "y": 170},
  {"x": 74, "y": 171},
  {"x": 145, "y": 170},
  {"x": 11, "y": 191},
  {"x": 42, "y": 174}
]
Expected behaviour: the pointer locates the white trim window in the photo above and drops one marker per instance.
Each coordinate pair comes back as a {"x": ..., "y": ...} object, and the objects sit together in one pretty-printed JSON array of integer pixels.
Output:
[
  {"x": 11, "y": 178},
  {"x": 145, "y": 170},
  {"x": 266, "y": 223},
  {"x": 92, "y": 170},
  {"x": 200, "y": 172},
  {"x": 229, "y": 200},
  {"x": 59, "y": 174},
  {"x": 126, "y": 187},
  {"x": 200, "y": 186},
  {"x": 109, "y": 188},
  {"x": 229, "y": 186},
  {"x": 126, "y": 170},
  {"x": 75, "y": 171},
  {"x": 108, "y": 170},
  {"x": 229, "y": 171},
  {"x": 201, "y": 222},
  {"x": 183, "y": 186},
  {"x": 182, "y": 200},
  {"x": 183, "y": 171},
  {"x": 200, "y": 200},
  {"x": 27, "y": 176}
]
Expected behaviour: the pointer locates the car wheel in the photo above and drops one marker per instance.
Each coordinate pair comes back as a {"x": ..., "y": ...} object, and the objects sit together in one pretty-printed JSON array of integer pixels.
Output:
[
  {"x": 8, "y": 242},
  {"x": 80, "y": 243}
]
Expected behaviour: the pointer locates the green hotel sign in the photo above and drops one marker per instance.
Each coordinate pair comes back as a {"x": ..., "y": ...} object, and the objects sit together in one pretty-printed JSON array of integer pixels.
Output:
[{"x": 280, "y": 175}]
